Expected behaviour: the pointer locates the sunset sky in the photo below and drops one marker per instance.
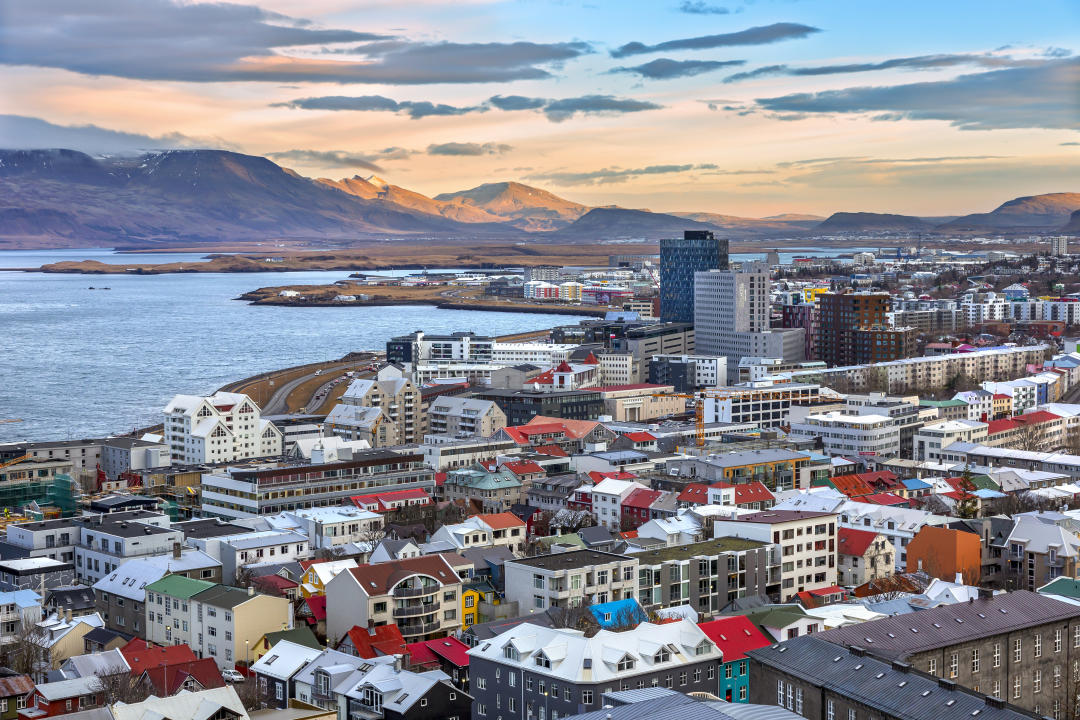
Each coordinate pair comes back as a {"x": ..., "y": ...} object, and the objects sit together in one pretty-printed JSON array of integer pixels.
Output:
[{"x": 743, "y": 107}]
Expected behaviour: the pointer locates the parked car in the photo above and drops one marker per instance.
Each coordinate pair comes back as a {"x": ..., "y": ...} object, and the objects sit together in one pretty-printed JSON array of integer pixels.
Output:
[{"x": 232, "y": 676}]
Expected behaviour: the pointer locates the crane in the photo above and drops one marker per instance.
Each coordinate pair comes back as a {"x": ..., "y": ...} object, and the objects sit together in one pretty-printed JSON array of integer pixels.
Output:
[
  {"x": 719, "y": 394},
  {"x": 14, "y": 461}
]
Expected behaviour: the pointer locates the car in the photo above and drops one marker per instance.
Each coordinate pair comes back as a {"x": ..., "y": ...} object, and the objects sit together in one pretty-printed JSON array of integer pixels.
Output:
[{"x": 232, "y": 676}]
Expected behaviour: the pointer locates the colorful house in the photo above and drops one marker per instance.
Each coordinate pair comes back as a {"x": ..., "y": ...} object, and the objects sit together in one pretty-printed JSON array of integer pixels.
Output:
[
  {"x": 472, "y": 595},
  {"x": 317, "y": 574},
  {"x": 734, "y": 636}
]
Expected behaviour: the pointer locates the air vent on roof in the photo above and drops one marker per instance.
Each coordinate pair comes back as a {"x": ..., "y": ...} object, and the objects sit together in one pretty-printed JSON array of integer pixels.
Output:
[
  {"x": 925, "y": 693},
  {"x": 587, "y": 663},
  {"x": 900, "y": 666},
  {"x": 891, "y": 635},
  {"x": 950, "y": 703},
  {"x": 975, "y": 712},
  {"x": 937, "y": 626},
  {"x": 959, "y": 620},
  {"x": 902, "y": 683},
  {"x": 857, "y": 651},
  {"x": 858, "y": 667},
  {"x": 879, "y": 676},
  {"x": 914, "y": 630},
  {"x": 1003, "y": 611},
  {"x": 781, "y": 649},
  {"x": 995, "y": 702},
  {"x": 982, "y": 616},
  {"x": 947, "y": 683},
  {"x": 836, "y": 659},
  {"x": 869, "y": 640}
]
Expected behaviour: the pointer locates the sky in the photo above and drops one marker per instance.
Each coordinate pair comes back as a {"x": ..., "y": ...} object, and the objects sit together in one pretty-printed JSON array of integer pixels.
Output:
[{"x": 741, "y": 107}]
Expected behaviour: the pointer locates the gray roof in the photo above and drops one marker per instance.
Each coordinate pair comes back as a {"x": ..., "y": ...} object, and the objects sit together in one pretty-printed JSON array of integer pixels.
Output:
[
  {"x": 595, "y": 535},
  {"x": 657, "y": 703},
  {"x": 902, "y": 635},
  {"x": 73, "y": 597},
  {"x": 893, "y": 690},
  {"x": 208, "y": 528},
  {"x": 570, "y": 560},
  {"x": 222, "y": 596}
]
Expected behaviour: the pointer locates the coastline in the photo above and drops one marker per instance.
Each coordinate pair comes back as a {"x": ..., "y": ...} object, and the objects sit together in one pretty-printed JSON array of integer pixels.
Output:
[{"x": 441, "y": 305}]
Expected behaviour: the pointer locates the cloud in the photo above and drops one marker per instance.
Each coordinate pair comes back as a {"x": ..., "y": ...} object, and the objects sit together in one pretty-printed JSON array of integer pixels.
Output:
[
  {"x": 1069, "y": 143},
  {"x": 1056, "y": 52},
  {"x": 919, "y": 62},
  {"x": 555, "y": 110},
  {"x": 517, "y": 102},
  {"x": 19, "y": 132},
  {"x": 615, "y": 175},
  {"x": 468, "y": 149},
  {"x": 1042, "y": 96},
  {"x": 666, "y": 69},
  {"x": 700, "y": 7},
  {"x": 340, "y": 158},
  {"x": 378, "y": 103},
  {"x": 559, "y": 110},
  {"x": 761, "y": 35},
  {"x": 223, "y": 42}
]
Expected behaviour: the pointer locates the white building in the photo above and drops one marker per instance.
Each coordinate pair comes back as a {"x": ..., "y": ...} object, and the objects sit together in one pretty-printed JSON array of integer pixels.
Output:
[
  {"x": 762, "y": 403},
  {"x": 930, "y": 439},
  {"x": 868, "y": 436},
  {"x": 980, "y": 404},
  {"x": 535, "y": 353},
  {"x": 607, "y": 498},
  {"x": 1024, "y": 393},
  {"x": 221, "y": 428},
  {"x": 565, "y": 579},
  {"x": 731, "y": 317}
]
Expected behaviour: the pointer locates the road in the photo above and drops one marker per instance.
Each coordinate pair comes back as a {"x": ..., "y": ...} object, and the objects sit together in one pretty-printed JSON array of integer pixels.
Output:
[{"x": 277, "y": 404}]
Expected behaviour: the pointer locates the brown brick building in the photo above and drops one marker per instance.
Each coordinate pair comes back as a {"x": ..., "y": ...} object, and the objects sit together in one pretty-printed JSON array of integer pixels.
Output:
[{"x": 853, "y": 329}]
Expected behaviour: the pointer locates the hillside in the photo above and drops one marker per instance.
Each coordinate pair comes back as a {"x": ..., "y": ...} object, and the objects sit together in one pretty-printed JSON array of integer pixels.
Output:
[
  {"x": 845, "y": 222},
  {"x": 1051, "y": 210},
  {"x": 611, "y": 223},
  {"x": 735, "y": 225},
  {"x": 1073, "y": 226},
  {"x": 374, "y": 188},
  {"x": 521, "y": 205}
]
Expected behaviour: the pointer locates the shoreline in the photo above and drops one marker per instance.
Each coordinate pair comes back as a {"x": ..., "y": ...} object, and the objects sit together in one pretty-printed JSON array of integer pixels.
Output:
[{"x": 529, "y": 310}]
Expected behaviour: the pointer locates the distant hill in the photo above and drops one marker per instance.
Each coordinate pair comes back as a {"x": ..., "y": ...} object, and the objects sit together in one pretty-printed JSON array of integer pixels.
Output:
[
  {"x": 521, "y": 205},
  {"x": 374, "y": 188},
  {"x": 743, "y": 226},
  {"x": 1051, "y": 210},
  {"x": 1073, "y": 226},
  {"x": 611, "y": 223},
  {"x": 845, "y": 222}
]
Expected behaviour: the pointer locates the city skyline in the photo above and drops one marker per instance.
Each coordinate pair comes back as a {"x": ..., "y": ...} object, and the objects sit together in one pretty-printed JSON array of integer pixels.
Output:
[{"x": 744, "y": 108}]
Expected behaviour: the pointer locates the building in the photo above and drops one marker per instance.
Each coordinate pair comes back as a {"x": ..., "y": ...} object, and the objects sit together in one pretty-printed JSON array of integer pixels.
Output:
[
  {"x": 35, "y": 574},
  {"x": 929, "y": 440},
  {"x": 680, "y": 258},
  {"x": 708, "y": 576},
  {"x": 442, "y": 454},
  {"x": 731, "y": 318},
  {"x": 563, "y": 580},
  {"x": 853, "y": 329},
  {"x": 254, "y": 490},
  {"x": 814, "y": 679},
  {"x": 1037, "y": 552},
  {"x": 850, "y": 435},
  {"x": 121, "y": 454},
  {"x": 464, "y": 417},
  {"x": 946, "y": 553},
  {"x": 807, "y": 541},
  {"x": 863, "y": 556},
  {"x": 521, "y": 406},
  {"x": 420, "y": 595},
  {"x": 531, "y": 671},
  {"x": 398, "y": 421},
  {"x": 493, "y": 530},
  {"x": 735, "y": 636},
  {"x": 1018, "y": 646},
  {"x": 419, "y": 348},
  {"x": 221, "y": 428},
  {"x": 275, "y": 670},
  {"x": 496, "y": 490},
  {"x": 1059, "y": 245},
  {"x": 687, "y": 373},
  {"x": 105, "y": 545},
  {"x": 763, "y": 404},
  {"x": 216, "y": 621}
]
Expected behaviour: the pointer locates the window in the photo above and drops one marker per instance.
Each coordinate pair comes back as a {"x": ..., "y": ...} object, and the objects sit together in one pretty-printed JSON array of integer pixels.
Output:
[
  {"x": 932, "y": 666},
  {"x": 542, "y": 661},
  {"x": 662, "y": 655},
  {"x": 710, "y": 673},
  {"x": 830, "y": 710},
  {"x": 511, "y": 704},
  {"x": 780, "y": 693},
  {"x": 1038, "y": 645},
  {"x": 729, "y": 671},
  {"x": 851, "y": 714},
  {"x": 586, "y": 697},
  {"x": 1057, "y": 676},
  {"x": 1057, "y": 640},
  {"x": 1036, "y": 682},
  {"x": 798, "y": 700},
  {"x": 682, "y": 679},
  {"x": 742, "y": 692},
  {"x": 1018, "y": 650},
  {"x": 626, "y": 663},
  {"x": 997, "y": 654},
  {"x": 481, "y": 709},
  {"x": 954, "y": 665},
  {"x": 481, "y": 683},
  {"x": 1017, "y": 687},
  {"x": 697, "y": 675}
]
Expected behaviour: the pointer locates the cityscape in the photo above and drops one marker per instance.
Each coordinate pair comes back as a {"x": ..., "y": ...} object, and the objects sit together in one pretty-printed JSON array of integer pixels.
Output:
[{"x": 539, "y": 360}]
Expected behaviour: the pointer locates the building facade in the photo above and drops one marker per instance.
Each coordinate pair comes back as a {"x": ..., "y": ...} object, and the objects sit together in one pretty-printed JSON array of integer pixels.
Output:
[{"x": 680, "y": 258}]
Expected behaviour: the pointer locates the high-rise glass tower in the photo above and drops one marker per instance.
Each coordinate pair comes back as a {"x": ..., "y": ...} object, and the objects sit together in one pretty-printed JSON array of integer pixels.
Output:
[{"x": 680, "y": 258}]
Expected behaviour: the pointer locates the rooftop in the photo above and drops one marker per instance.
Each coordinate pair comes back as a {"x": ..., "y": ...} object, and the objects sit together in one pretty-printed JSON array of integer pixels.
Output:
[
  {"x": 699, "y": 549},
  {"x": 574, "y": 560}
]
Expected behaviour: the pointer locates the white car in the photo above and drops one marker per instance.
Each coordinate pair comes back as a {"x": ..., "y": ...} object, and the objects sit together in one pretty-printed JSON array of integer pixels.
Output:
[{"x": 232, "y": 676}]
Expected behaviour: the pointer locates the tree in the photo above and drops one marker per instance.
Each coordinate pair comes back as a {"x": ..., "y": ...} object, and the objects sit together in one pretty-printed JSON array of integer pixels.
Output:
[
  {"x": 28, "y": 653},
  {"x": 1032, "y": 437},
  {"x": 968, "y": 505},
  {"x": 121, "y": 686},
  {"x": 248, "y": 693}
]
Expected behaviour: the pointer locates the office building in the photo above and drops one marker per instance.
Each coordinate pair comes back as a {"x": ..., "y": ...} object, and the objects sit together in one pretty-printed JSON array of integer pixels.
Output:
[
  {"x": 680, "y": 259},
  {"x": 853, "y": 329}
]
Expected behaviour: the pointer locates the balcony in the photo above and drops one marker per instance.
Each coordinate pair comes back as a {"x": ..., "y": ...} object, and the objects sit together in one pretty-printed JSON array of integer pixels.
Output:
[
  {"x": 411, "y": 629},
  {"x": 405, "y": 591},
  {"x": 416, "y": 609}
]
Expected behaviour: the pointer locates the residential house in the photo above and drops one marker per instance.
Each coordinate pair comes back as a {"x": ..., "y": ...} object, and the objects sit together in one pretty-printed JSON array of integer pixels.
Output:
[
  {"x": 464, "y": 417},
  {"x": 275, "y": 670},
  {"x": 62, "y": 697},
  {"x": 734, "y": 636},
  {"x": 384, "y": 412},
  {"x": 220, "y": 703},
  {"x": 1038, "y": 551},
  {"x": 946, "y": 553},
  {"x": 222, "y": 428},
  {"x": 565, "y": 579},
  {"x": 318, "y": 573},
  {"x": 863, "y": 556}
]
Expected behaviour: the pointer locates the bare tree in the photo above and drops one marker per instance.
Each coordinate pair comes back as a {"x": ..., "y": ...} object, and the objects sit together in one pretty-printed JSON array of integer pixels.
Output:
[
  {"x": 248, "y": 693},
  {"x": 122, "y": 686},
  {"x": 28, "y": 653},
  {"x": 1032, "y": 437}
]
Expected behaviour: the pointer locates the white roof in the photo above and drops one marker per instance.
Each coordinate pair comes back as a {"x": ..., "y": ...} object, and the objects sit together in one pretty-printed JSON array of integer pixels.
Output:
[
  {"x": 263, "y": 538},
  {"x": 129, "y": 579},
  {"x": 611, "y": 486},
  {"x": 954, "y": 425},
  {"x": 185, "y": 705},
  {"x": 335, "y": 514},
  {"x": 69, "y": 688},
  {"x": 576, "y": 658},
  {"x": 1039, "y": 536},
  {"x": 284, "y": 659},
  {"x": 353, "y": 415},
  {"x": 327, "y": 571}
]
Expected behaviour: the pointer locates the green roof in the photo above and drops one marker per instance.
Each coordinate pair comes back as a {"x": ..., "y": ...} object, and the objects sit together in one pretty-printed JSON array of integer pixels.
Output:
[
  {"x": 777, "y": 616},
  {"x": 1063, "y": 586},
  {"x": 698, "y": 549},
  {"x": 567, "y": 539},
  {"x": 943, "y": 403},
  {"x": 300, "y": 636},
  {"x": 984, "y": 482},
  {"x": 178, "y": 586}
]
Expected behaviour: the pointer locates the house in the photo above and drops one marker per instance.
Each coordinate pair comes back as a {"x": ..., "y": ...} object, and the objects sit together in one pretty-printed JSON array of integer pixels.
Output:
[
  {"x": 299, "y": 635},
  {"x": 618, "y": 614},
  {"x": 17, "y": 610},
  {"x": 384, "y": 502},
  {"x": 1038, "y": 551},
  {"x": 502, "y": 529},
  {"x": 274, "y": 671},
  {"x": 220, "y": 703},
  {"x": 62, "y": 697},
  {"x": 14, "y": 689},
  {"x": 944, "y": 553},
  {"x": 863, "y": 556},
  {"x": 565, "y": 579},
  {"x": 317, "y": 574},
  {"x": 189, "y": 676},
  {"x": 734, "y": 636},
  {"x": 224, "y": 427},
  {"x": 372, "y": 642},
  {"x": 390, "y": 549},
  {"x": 496, "y": 490},
  {"x": 419, "y": 595},
  {"x": 59, "y": 637},
  {"x": 570, "y": 672},
  {"x": 607, "y": 499},
  {"x": 447, "y": 654}
]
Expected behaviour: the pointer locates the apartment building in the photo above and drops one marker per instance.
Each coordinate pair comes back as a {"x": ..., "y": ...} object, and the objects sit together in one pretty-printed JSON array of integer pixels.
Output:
[
  {"x": 419, "y": 347},
  {"x": 687, "y": 373},
  {"x": 491, "y": 530},
  {"x": 464, "y": 417},
  {"x": 104, "y": 547},
  {"x": 853, "y": 328},
  {"x": 216, "y": 621},
  {"x": 221, "y": 428},
  {"x": 708, "y": 575},
  {"x": 539, "y": 672},
  {"x": 852, "y": 435},
  {"x": 762, "y": 403},
  {"x": 258, "y": 489},
  {"x": 398, "y": 421},
  {"x": 563, "y": 580},
  {"x": 1019, "y": 646},
  {"x": 444, "y": 453},
  {"x": 1037, "y": 552},
  {"x": 931, "y": 438},
  {"x": 807, "y": 541},
  {"x": 420, "y": 595},
  {"x": 496, "y": 490}
]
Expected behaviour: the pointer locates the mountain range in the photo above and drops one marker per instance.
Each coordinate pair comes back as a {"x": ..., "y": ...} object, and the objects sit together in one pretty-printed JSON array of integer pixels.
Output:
[{"x": 66, "y": 198}]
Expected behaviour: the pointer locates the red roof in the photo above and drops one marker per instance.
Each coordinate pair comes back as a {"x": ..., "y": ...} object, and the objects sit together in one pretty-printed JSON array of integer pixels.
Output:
[
  {"x": 734, "y": 635},
  {"x": 564, "y": 367},
  {"x": 694, "y": 493},
  {"x": 274, "y": 582},
  {"x": 169, "y": 679},
  {"x": 501, "y": 521},
  {"x": 831, "y": 590},
  {"x": 552, "y": 450},
  {"x": 853, "y": 542},
  {"x": 383, "y": 499},
  {"x": 628, "y": 534},
  {"x": 639, "y": 437},
  {"x": 596, "y": 476},
  {"x": 641, "y": 499},
  {"x": 883, "y": 499},
  {"x": 317, "y": 605},
  {"x": 450, "y": 649},
  {"x": 141, "y": 656},
  {"x": 590, "y": 360},
  {"x": 1002, "y": 396},
  {"x": 881, "y": 477},
  {"x": 852, "y": 485},
  {"x": 524, "y": 467},
  {"x": 752, "y": 492},
  {"x": 420, "y": 654},
  {"x": 998, "y": 426},
  {"x": 379, "y": 640},
  {"x": 1034, "y": 418}
]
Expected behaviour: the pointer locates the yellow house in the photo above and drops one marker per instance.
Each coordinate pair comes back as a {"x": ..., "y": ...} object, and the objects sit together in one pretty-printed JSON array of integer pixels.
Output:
[
  {"x": 810, "y": 294},
  {"x": 61, "y": 636},
  {"x": 472, "y": 595},
  {"x": 317, "y": 574},
  {"x": 300, "y": 636}
]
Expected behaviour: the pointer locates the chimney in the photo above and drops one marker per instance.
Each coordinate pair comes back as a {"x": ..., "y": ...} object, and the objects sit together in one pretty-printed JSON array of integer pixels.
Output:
[
  {"x": 251, "y": 590},
  {"x": 67, "y": 615},
  {"x": 399, "y": 663},
  {"x": 985, "y": 593},
  {"x": 920, "y": 564},
  {"x": 176, "y": 551}
]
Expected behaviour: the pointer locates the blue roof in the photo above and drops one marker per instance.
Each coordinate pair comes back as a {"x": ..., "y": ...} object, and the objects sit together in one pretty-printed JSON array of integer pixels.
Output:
[
  {"x": 22, "y": 598},
  {"x": 916, "y": 484},
  {"x": 986, "y": 494},
  {"x": 617, "y": 612},
  {"x": 621, "y": 455}
]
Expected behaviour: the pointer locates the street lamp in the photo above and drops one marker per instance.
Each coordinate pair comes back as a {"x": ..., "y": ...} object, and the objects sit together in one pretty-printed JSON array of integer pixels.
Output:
[{"x": 247, "y": 656}]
